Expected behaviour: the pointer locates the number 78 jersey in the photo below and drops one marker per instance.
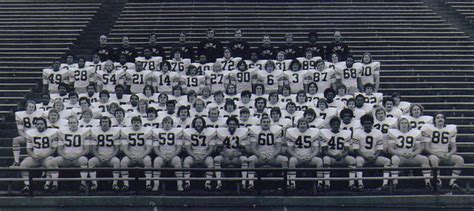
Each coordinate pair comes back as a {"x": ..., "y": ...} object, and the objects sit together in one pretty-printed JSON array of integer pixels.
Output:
[
  {"x": 439, "y": 138},
  {"x": 105, "y": 140},
  {"x": 335, "y": 141}
]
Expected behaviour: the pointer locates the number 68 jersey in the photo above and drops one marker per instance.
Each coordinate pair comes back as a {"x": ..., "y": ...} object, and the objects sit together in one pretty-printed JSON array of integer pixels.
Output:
[
  {"x": 74, "y": 141},
  {"x": 105, "y": 140},
  {"x": 303, "y": 142},
  {"x": 404, "y": 142},
  {"x": 42, "y": 142},
  {"x": 335, "y": 141},
  {"x": 439, "y": 138}
]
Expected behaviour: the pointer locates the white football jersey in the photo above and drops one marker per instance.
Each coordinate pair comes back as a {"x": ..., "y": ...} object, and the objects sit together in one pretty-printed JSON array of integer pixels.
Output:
[
  {"x": 24, "y": 121},
  {"x": 282, "y": 65},
  {"x": 42, "y": 142},
  {"x": 266, "y": 139},
  {"x": 108, "y": 80},
  {"x": 229, "y": 64},
  {"x": 95, "y": 66},
  {"x": 440, "y": 139},
  {"x": 368, "y": 142},
  {"x": 137, "y": 140},
  {"x": 385, "y": 125},
  {"x": 296, "y": 79},
  {"x": 259, "y": 65},
  {"x": 369, "y": 72},
  {"x": 232, "y": 143},
  {"x": 167, "y": 141},
  {"x": 82, "y": 76},
  {"x": 54, "y": 78},
  {"x": 323, "y": 79},
  {"x": 152, "y": 64},
  {"x": 304, "y": 143},
  {"x": 138, "y": 79},
  {"x": 180, "y": 66},
  {"x": 404, "y": 142},
  {"x": 308, "y": 64},
  {"x": 200, "y": 142},
  {"x": 105, "y": 140},
  {"x": 74, "y": 142},
  {"x": 417, "y": 123},
  {"x": 335, "y": 141},
  {"x": 348, "y": 76}
]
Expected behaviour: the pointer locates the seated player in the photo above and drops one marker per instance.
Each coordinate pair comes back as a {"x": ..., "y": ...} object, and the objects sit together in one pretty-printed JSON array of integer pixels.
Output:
[
  {"x": 119, "y": 96},
  {"x": 392, "y": 112},
  {"x": 241, "y": 77},
  {"x": 73, "y": 147},
  {"x": 136, "y": 147},
  {"x": 214, "y": 119},
  {"x": 303, "y": 147},
  {"x": 105, "y": 147},
  {"x": 167, "y": 146},
  {"x": 178, "y": 64},
  {"x": 87, "y": 120},
  {"x": 368, "y": 146},
  {"x": 323, "y": 77},
  {"x": 202, "y": 65},
  {"x": 302, "y": 103},
  {"x": 152, "y": 119},
  {"x": 371, "y": 97},
  {"x": 24, "y": 121},
  {"x": 232, "y": 141},
  {"x": 383, "y": 124},
  {"x": 69, "y": 65},
  {"x": 255, "y": 62},
  {"x": 138, "y": 78},
  {"x": 110, "y": 77},
  {"x": 416, "y": 118},
  {"x": 61, "y": 95},
  {"x": 402, "y": 105},
  {"x": 361, "y": 104},
  {"x": 351, "y": 104},
  {"x": 215, "y": 78},
  {"x": 274, "y": 101},
  {"x": 291, "y": 113},
  {"x": 192, "y": 80},
  {"x": 335, "y": 144},
  {"x": 92, "y": 93},
  {"x": 148, "y": 94},
  {"x": 312, "y": 119},
  {"x": 245, "y": 118},
  {"x": 165, "y": 80},
  {"x": 348, "y": 121},
  {"x": 370, "y": 73},
  {"x": 342, "y": 93},
  {"x": 269, "y": 77},
  {"x": 55, "y": 120},
  {"x": 329, "y": 95},
  {"x": 312, "y": 95},
  {"x": 405, "y": 148},
  {"x": 440, "y": 144},
  {"x": 309, "y": 61},
  {"x": 200, "y": 144},
  {"x": 41, "y": 144},
  {"x": 324, "y": 111},
  {"x": 149, "y": 61}
]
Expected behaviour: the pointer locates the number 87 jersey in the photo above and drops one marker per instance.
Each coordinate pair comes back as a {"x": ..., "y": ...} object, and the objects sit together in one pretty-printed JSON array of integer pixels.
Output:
[{"x": 105, "y": 141}]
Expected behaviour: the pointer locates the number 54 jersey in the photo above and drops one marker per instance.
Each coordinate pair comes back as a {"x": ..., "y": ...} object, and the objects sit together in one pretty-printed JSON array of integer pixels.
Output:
[
  {"x": 105, "y": 140},
  {"x": 335, "y": 141},
  {"x": 74, "y": 142},
  {"x": 439, "y": 138}
]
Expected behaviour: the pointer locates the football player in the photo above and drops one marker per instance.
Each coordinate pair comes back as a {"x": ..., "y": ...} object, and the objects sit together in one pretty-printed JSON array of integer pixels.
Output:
[
  {"x": 81, "y": 76},
  {"x": 416, "y": 118},
  {"x": 295, "y": 77},
  {"x": 228, "y": 63},
  {"x": 193, "y": 81},
  {"x": 323, "y": 77},
  {"x": 241, "y": 77},
  {"x": 348, "y": 73},
  {"x": 391, "y": 111},
  {"x": 215, "y": 78},
  {"x": 281, "y": 63},
  {"x": 178, "y": 64},
  {"x": 69, "y": 65},
  {"x": 138, "y": 78},
  {"x": 370, "y": 73},
  {"x": 54, "y": 76},
  {"x": 150, "y": 62},
  {"x": 402, "y": 105},
  {"x": 384, "y": 123},
  {"x": 254, "y": 62},
  {"x": 270, "y": 77},
  {"x": 309, "y": 61},
  {"x": 371, "y": 97}
]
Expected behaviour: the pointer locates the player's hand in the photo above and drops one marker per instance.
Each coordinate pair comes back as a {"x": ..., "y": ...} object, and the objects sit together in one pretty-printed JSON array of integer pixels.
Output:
[{"x": 36, "y": 157}]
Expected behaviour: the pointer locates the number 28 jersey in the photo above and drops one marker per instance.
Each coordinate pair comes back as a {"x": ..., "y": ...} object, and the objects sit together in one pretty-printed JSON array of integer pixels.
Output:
[
  {"x": 335, "y": 141},
  {"x": 105, "y": 140}
]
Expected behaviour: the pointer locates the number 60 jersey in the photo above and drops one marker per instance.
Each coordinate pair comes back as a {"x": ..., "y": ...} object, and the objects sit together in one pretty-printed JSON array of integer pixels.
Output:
[{"x": 105, "y": 140}]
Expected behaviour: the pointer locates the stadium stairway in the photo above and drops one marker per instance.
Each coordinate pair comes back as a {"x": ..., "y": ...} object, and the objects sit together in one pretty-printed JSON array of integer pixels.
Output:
[{"x": 463, "y": 8}]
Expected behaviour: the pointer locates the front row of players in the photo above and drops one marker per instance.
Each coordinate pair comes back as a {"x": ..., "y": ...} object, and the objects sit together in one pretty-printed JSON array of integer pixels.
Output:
[{"x": 263, "y": 145}]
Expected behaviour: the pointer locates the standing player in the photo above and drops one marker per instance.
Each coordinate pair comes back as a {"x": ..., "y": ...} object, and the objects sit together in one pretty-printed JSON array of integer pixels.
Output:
[
  {"x": 202, "y": 65},
  {"x": 370, "y": 73},
  {"x": 193, "y": 81},
  {"x": 54, "y": 76},
  {"x": 150, "y": 62},
  {"x": 281, "y": 62},
  {"x": 105, "y": 148},
  {"x": 81, "y": 76},
  {"x": 95, "y": 64},
  {"x": 136, "y": 146},
  {"x": 348, "y": 73},
  {"x": 303, "y": 146},
  {"x": 73, "y": 147},
  {"x": 69, "y": 65},
  {"x": 200, "y": 143},
  {"x": 440, "y": 144},
  {"x": 416, "y": 118},
  {"x": 383, "y": 124},
  {"x": 295, "y": 77},
  {"x": 368, "y": 147},
  {"x": 241, "y": 77},
  {"x": 309, "y": 61},
  {"x": 391, "y": 111},
  {"x": 167, "y": 145},
  {"x": 138, "y": 78},
  {"x": 323, "y": 77},
  {"x": 270, "y": 77},
  {"x": 215, "y": 78}
]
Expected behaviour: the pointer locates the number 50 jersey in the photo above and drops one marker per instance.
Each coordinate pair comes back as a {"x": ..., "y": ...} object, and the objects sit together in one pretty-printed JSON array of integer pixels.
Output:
[
  {"x": 105, "y": 140},
  {"x": 74, "y": 141}
]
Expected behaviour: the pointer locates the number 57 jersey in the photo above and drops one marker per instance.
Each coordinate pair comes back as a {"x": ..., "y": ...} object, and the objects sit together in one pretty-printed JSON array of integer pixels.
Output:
[
  {"x": 335, "y": 141},
  {"x": 105, "y": 140},
  {"x": 200, "y": 141}
]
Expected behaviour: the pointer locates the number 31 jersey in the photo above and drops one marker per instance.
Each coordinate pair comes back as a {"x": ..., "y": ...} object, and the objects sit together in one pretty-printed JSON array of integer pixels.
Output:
[
  {"x": 439, "y": 138},
  {"x": 335, "y": 141},
  {"x": 105, "y": 140},
  {"x": 74, "y": 141}
]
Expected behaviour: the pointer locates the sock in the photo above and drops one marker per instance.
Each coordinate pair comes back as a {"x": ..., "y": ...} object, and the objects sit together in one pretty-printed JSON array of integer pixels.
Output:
[
  {"x": 359, "y": 175},
  {"x": 327, "y": 175},
  {"x": 454, "y": 174},
  {"x": 156, "y": 175},
  {"x": 251, "y": 175},
  {"x": 148, "y": 176},
  {"x": 319, "y": 174},
  {"x": 209, "y": 175},
  {"x": 125, "y": 176},
  {"x": 16, "y": 155},
  {"x": 187, "y": 175},
  {"x": 25, "y": 175},
  {"x": 244, "y": 174},
  {"x": 386, "y": 175},
  {"x": 115, "y": 175},
  {"x": 179, "y": 174},
  {"x": 351, "y": 177},
  {"x": 426, "y": 174},
  {"x": 218, "y": 174},
  {"x": 93, "y": 175},
  {"x": 83, "y": 176},
  {"x": 54, "y": 176},
  {"x": 395, "y": 176},
  {"x": 291, "y": 176}
]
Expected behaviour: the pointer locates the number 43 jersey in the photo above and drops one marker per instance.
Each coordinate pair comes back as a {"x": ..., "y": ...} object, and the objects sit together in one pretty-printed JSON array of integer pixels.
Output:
[
  {"x": 404, "y": 142},
  {"x": 335, "y": 141},
  {"x": 137, "y": 140},
  {"x": 439, "y": 138},
  {"x": 105, "y": 140},
  {"x": 74, "y": 142},
  {"x": 303, "y": 141},
  {"x": 200, "y": 141},
  {"x": 232, "y": 143}
]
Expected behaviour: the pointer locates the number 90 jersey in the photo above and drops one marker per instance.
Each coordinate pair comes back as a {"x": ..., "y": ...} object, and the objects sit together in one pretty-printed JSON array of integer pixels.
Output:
[
  {"x": 200, "y": 142},
  {"x": 137, "y": 140},
  {"x": 42, "y": 142},
  {"x": 74, "y": 142},
  {"x": 404, "y": 142},
  {"x": 305, "y": 142},
  {"x": 368, "y": 142},
  {"x": 439, "y": 138},
  {"x": 105, "y": 140},
  {"x": 335, "y": 141},
  {"x": 266, "y": 139},
  {"x": 167, "y": 140},
  {"x": 232, "y": 143}
]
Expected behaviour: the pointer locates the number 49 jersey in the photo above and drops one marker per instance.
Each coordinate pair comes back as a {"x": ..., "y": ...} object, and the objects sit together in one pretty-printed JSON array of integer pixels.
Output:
[
  {"x": 335, "y": 141},
  {"x": 232, "y": 143},
  {"x": 137, "y": 140},
  {"x": 368, "y": 142},
  {"x": 105, "y": 140},
  {"x": 439, "y": 138},
  {"x": 303, "y": 142},
  {"x": 74, "y": 142},
  {"x": 42, "y": 142},
  {"x": 404, "y": 142},
  {"x": 266, "y": 139},
  {"x": 200, "y": 142},
  {"x": 167, "y": 140},
  {"x": 54, "y": 78}
]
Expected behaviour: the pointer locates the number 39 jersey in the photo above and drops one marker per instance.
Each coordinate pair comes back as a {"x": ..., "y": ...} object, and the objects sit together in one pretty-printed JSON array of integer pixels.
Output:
[
  {"x": 105, "y": 140},
  {"x": 439, "y": 138},
  {"x": 137, "y": 140},
  {"x": 303, "y": 141},
  {"x": 42, "y": 142},
  {"x": 232, "y": 142},
  {"x": 74, "y": 141},
  {"x": 200, "y": 142},
  {"x": 167, "y": 140},
  {"x": 266, "y": 139},
  {"x": 368, "y": 142},
  {"x": 404, "y": 142},
  {"x": 335, "y": 141}
]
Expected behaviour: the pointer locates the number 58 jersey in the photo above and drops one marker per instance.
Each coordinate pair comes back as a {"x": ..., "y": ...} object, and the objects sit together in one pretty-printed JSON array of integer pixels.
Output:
[
  {"x": 105, "y": 140},
  {"x": 303, "y": 142},
  {"x": 42, "y": 142},
  {"x": 404, "y": 142},
  {"x": 335, "y": 141},
  {"x": 74, "y": 141},
  {"x": 439, "y": 138}
]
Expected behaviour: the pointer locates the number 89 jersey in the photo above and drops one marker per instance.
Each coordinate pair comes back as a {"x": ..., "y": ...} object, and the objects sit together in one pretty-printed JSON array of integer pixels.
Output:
[
  {"x": 167, "y": 140},
  {"x": 74, "y": 141},
  {"x": 303, "y": 142},
  {"x": 232, "y": 142},
  {"x": 404, "y": 142},
  {"x": 200, "y": 142},
  {"x": 368, "y": 142},
  {"x": 335, "y": 141},
  {"x": 266, "y": 139},
  {"x": 105, "y": 140},
  {"x": 41, "y": 142},
  {"x": 439, "y": 138},
  {"x": 137, "y": 140}
]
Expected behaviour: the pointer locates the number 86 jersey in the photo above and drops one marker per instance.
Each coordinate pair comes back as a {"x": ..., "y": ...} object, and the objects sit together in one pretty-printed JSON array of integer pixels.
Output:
[
  {"x": 105, "y": 140},
  {"x": 439, "y": 138}
]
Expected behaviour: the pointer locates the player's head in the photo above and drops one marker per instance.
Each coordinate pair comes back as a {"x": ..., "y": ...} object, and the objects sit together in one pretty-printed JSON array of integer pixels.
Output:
[
  {"x": 286, "y": 90},
  {"x": 119, "y": 89},
  {"x": 165, "y": 66},
  {"x": 217, "y": 67},
  {"x": 313, "y": 87},
  {"x": 308, "y": 53},
  {"x": 341, "y": 89},
  {"x": 177, "y": 90},
  {"x": 230, "y": 105},
  {"x": 210, "y": 33},
  {"x": 53, "y": 115},
  {"x": 388, "y": 103},
  {"x": 368, "y": 88},
  {"x": 69, "y": 58},
  {"x": 109, "y": 66},
  {"x": 56, "y": 65},
  {"x": 162, "y": 98},
  {"x": 167, "y": 123},
  {"x": 119, "y": 113},
  {"x": 253, "y": 55},
  {"x": 104, "y": 95},
  {"x": 30, "y": 106},
  {"x": 148, "y": 90},
  {"x": 260, "y": 103},
  {"x": 103, "y": 40},
  {"x": 349, "y": 60},
  {"x": 335, "y": 124},
  {"x": 281, "y": 55},
  {"x": 329, "y": 94},
  {"x": 265, "y": 122},
  {"x": 245, "y": 96},
  {"x": 322, "y": 103},
  {"x": 147, "y": 53},
  {"x": 301, "y": 96},
  {"x": 112, "y": 107},
  {"x": 404, "y": 124},
  {"x": 367, "y": 58},
  {"x": 275, "y": 113},
  {"x": 270, "y": 66},
  {"x": 351, "y": 103},
  {"x": 231, "y": 89},
  {"x": 213, "y": 113},
  {"x": 134, "y": 99},
  {"x": 152, "y": 38},
  {"x": 151, "y": 113},
  {"x": 244, "y": 113},
  {"x": 227, "y": 53},
  {"x": 313, "y": 37},
  {"x": 273, "y": 97},
  {"x": 439, "y": 119},
  {"x": 416, "y": 110},
  {"x": 199, "y": 123},
  {"x": 302, "y": 124},
  {"x": 62, "y": 89},
  {"x": 176, "y": 52},
  {"x": 73, "y": 97},
  {"x": 136, "y": 122},
  {"x": 219, "y": 96},
  {"x": 289, "y": 37},
  {"x": 73, "y": 123},
  {"x": 290, "y": 107},
  {"x": 346, "y": 115},
  {"x": 86, "y": 114},
  {"x": 206, "y": 91},
  {"x": 40, "y": 123},
  {"x": 396, "y": 97},
  {"x": 58, "y": 105},
  {"x": 367, "y": 121},
  {"x": 309, "y": 114},
  {"x": 45, "y": 98},
  {"x": 259, "y": 89},
  {"x": 380, "y": 113},
  {"x": 320, "y": 65},
  {"x": 170, "y": 106},
  {"x": 123, "y": 59},
  {"x": 335, "y": 58},
  {"x": 91, "y": 88},
  {"x": 337, "y": 36},
  {"x": 242, "y": 66},
  {"x": 182, "y": 37},
  {"x": 232, "y": 123},
  {"x": 105, "y": 123},
  {"x": 199, "y": 104},
  {"x": 360, "y": 100},
  {"x": 266, "y": 39},
  {"x": 81, "y": 62},
  {"x": 183, "y": 112},
  {"x": 238, "y": 34}
]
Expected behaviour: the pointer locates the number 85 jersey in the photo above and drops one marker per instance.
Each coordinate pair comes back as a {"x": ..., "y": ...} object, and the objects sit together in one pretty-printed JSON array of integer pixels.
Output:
[
  {"x": 439, "y": 138},
  {"x": 105, "y": 140}
]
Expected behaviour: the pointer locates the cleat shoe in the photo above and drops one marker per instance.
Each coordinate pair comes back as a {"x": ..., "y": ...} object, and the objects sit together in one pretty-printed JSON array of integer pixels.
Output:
[
  {"x": 180, "y": 188},
  {"x": 353, "y": 188},
  {"x": 25, "y": 189},
  {"x": 187, "y": 186},
  {"x": 125, "y": 188},
  {"x": 47, "y": 187},
  {"x": 428, "y": 186},
  {"x": 219, "y": 187},
  {"x": 455, "y": 186},
  {"x": 250, "y": 188},
  {"x": 83, "y": 188},
  {"x": 93, "y": 187},
  {"x": 115, "y": 187},
  {"x": 54, "y": 188},
  {"x": 148, "y": 187},
  {"x": 15, "y": 164},
  {"x": 360, "y": 187},
  {"x": 291, "y": 187},
  {"x": 207, "y": 186}
]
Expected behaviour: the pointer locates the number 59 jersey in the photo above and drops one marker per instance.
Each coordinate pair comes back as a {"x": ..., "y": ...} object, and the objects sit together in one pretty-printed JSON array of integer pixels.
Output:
[
  {"x": 266, "y": 139},
  {"x": 167, "y": 140},
  {"x": 404, "y": 142},
  {"x": 137, "y": 140},
  {"x": 200, "y": 142},
  {"x": 335, "y": 141},
  {"x": 74, "y": 142},
  {"x": 439, "y": 138},
  {"x": 42, "y": 142},
  {"x": 105, "y": 140},
  {"x": 304, "y": 142}
]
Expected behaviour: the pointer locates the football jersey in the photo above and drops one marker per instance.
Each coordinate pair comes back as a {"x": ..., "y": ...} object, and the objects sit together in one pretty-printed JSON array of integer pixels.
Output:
[
  {"x": 24, "y": 121},
  {"x": 417, "y": 123},
  {"x": 82, "y": 76},
  {"x": 326, "y": 114},
  {"x": 54, "y": 78},
  {"x": 57, "y": 97},
  {"x": 61, "y": 123},
  {"x": 335, "y": 141},
  {"x": 385, "y": 125},
  {"x": 313, "y": 98},
  {"x": 282, "y": 65},
  {"x": 251, "y": 121},
  {"x": 369, "y": 71},
  {"x": 102, "y": 107},
  {"x": 194, "y": 82},
  {"x": 330, "y": 65},
  {"x": 343, "y": 98},
  {"x": 440, "y": 139},
  {"x": 137, "y": 140},
  {"x": 200, "y": 142},
  {"x": 293, "y": 117},
  {"x": 137, "y": 79},
  {"x": 266, "y": 140},
  {"x": 105, "y": 140},
  {"x": 151, "y": 64},
  {"x": 404, "y": 106},
  {"x": 124, "y": 67},
  {"x": 348, "y": 76},
  {"x": 180, "y": 66},
  {"x": 166, "y": 81},
  {"x": 283, "y": 123},
  {"x": 308, "y": 64},
  {"x": 336, "y": 104},
  {"x": 317, "y": 123},
  {"x": 180, "y": 123},
  {"x": 202, "y": 68},
  {"x": 296, "y": 79},
  {"x": 167, "y": 140},
  {"x": 220, "y": 122},
  {"x": 229, "y": 64},
  {"x": 42, "y": 142},
  {"x": 150, "y": 99},
  {"x": 368, "y": 142},
  {"x": 232, "y": 143},
  {"x": 323, "y": 79},
  {"x": 68, "y": 67},
  {"x": 151, "y": 123},
  {"x": 94, "y": 98},
  {"x": 304, "y": 106},
  {"x": 303, "y": 142},
  {"x": 42, "y": 107},
  {"x": 270, "y": 79},
  {"x": 241, "y": 79},
  {"x": 258, "y": 65},
  {"x": 216, "y": 80},
  {"x": 404, "y": 142},
  {"x": 394, "y": 113},
  {"x": 91, "y": 124},
  {"x": 122, "y": 101},
  {"x": 375, "y": 98},
  {"x": 95, "y": 66},
  {"x": 74, "y": 142},
  {"x": 108, "y": 80},
  {"x": 352, "y": 126}
]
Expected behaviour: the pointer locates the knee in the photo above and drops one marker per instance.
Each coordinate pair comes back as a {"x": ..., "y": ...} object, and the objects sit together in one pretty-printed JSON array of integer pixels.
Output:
[
  {"x": 187, "y": 162},
  {"x": 124, "y": 162},
  {"x": 457, "y": 160},
  {"x": 326, "y": 160},
  {"x": 158, "y": 162},
  {"x": 293, "y": 161},
  {"x": 209, "y": 162},
  {"x": 360, "y": 161},
  {"x": 434, "y": 160},
  {"x": 147, "y": 161},
  {"x": 176, "y": 162},
  {"x": 218, "y": 159},
  {"x": 351, "y": 160},
  {"x": 395, "y": 160},
  {"x": 115, "y": 162},
  {"x": 83, "y": 161}
]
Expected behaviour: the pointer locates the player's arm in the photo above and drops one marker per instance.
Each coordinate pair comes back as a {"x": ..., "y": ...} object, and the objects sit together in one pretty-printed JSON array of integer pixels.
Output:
[
  {"x": 376, "y": 78},
  {"x": 125, "y": 147},
  {"x": 253, "y": 146},
  {"x": 61, "y": 145},
  {"x": 452, "y": 144},
  {"x": 52, "y": 149},
  {"x": 345, "y": 151},
  {"x": 392, "y": 148},
  {"x": 29, "y": 148},
  {"x": 277, "y": 148},
  {"x": 45, "y": 81},
  {"x": 211, "y": 147},
  {"x": 86, "y": 148},
  {"x": 327, "y": 152},
  {"x": 20, "y": 126},
  {"x": 417, "y": 148},
  {"x": 316, "y": 150},
  {"x": 291, "y": 150},
  {"x": 95, "y": 147}
]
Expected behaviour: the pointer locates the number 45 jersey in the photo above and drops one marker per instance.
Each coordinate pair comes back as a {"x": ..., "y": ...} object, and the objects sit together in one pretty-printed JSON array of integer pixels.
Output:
[
  {"x": 335, "y": 141},
  {"x": 105, "y": 140},
  {"x": 74, "y": 142},
  {"x": 303, "y": 141},
  {"x": 439, "y": 138}
]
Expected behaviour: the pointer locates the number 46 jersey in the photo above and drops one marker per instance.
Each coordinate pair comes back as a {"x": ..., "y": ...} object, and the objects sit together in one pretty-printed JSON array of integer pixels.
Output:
[
  {"x": 439, "y": 138},
  {"x": 74, "y": 142},
  {"x": 303, "y": 142},
  {"x": 105, "y": 140},
  {"x": 335, "y": 141}
]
